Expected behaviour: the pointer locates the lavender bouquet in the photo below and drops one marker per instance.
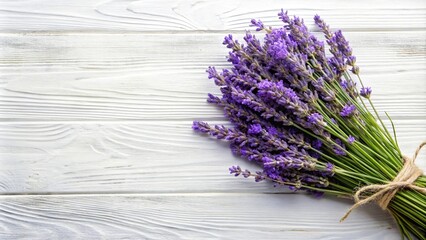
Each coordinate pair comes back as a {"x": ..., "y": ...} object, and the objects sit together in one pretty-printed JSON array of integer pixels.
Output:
[{"x": 297, "y": 112}]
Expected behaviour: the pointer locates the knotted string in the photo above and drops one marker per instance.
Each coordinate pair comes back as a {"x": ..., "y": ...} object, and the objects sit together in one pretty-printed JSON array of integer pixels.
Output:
[{"x": 383, "y": 193}]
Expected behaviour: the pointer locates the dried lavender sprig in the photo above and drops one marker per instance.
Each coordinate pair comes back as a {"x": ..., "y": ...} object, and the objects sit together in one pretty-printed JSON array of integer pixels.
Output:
[
  {"x": 294, "y": 183},
  {"x": 266, "y": 141},
  {"x": 278, "y": 160},
  {"x": 241, "y": 116}
]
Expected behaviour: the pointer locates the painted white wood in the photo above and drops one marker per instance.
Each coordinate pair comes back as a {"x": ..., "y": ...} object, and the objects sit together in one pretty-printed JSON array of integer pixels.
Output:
[
  {"x": 153, "y": 15},
  {"x": 97, "y": 99},
  {"x": 161, "y": 76},
  {"x": 145, "y": 157},
  {"x": 188, "y": 216}
]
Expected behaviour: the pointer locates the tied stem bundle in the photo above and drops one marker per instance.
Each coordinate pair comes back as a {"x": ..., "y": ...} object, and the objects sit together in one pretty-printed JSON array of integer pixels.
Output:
[
  {"x": 385, "y": 192},
  {"x": 297, "y": 112}
]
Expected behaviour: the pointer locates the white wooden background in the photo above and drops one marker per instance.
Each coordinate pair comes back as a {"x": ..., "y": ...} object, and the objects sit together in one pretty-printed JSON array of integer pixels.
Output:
[{"x": 97, "y": 99}]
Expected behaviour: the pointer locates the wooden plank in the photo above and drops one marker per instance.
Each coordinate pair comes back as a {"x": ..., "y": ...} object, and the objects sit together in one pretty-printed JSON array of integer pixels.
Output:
[
  {"x": 150, "y": 15},
  {"x": 192, "y": 216},
  {"x": 86, "y": 116},
  {"x": 162, "y": 76},
  {"x": 146, "y": 157}
]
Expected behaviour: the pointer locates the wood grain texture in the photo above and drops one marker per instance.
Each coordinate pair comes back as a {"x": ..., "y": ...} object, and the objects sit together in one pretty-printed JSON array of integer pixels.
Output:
[
  {"x": 97, "y": 98},
  {"x": 146, "y": 157},
  {"x": 193, "y": 216},
  {"x": 162, "y": 76},
  {"x": 188, "y": 15}
]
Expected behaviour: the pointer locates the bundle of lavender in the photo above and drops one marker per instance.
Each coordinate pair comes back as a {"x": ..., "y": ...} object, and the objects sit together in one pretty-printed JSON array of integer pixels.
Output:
[{"x": 297, "y": 112}]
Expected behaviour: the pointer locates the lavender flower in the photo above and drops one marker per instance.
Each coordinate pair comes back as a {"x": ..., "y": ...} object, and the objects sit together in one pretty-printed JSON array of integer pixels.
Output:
[
  {"x": 246, "y": 173},
  {"x": 339, "y": 148},
  {"x": 365, "y": 92},
  {"x": 316, "y": 119},
  {"x": 236, "y": 170},
  {"x": 258, "y": 24},
  {"x": 351, "y": 139},
  {"x": 283, "y": 96},
  {"x": 323, "y": 26},
  {"x": 330, "y": 168},
  {"x": 259, "y": 176},
  {"x": 348, "y": 110},
  {"x": 213, "y": 74},
  {"x": 284, "y": 16},
  {"x": 255, "y": 129},
  {"x": 229, "y": 41},
  {"x": 317, "y": 144},
  {"x": 351, "y": 61}
]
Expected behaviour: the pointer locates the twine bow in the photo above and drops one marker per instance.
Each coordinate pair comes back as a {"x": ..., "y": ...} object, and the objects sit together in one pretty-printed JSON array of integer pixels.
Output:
[{"x": 385, "y": 192}]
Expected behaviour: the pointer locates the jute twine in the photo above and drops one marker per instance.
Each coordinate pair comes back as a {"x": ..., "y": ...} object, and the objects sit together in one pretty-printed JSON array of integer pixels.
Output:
[{"x": 383, "y": 193}]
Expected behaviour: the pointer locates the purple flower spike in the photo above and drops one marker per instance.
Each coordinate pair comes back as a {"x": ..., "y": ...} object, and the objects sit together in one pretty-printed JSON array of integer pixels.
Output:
[
  {"x": 351, "y": 139},
  {"x": 228, "y": 41},
  {"x": 323, "y": 26},
  {"x": 265, "y": 85},
  {"x": 213, "y": 99},
  {"x": 317, "y": 18},
  {"x": 366, "y": 92},
  {"x": 329, "y": 170},
  {"x": 273, "y": 131},
  {"x": 317, "y": 144},
  {"x": 351, "y": 60},
  {"x": 343, "y": 45},
  {"x": 212, "y": 72},
  {"x": 348, "y": 110},
  {"x": 344, "y": 84},
  {"x": 339, "y": 148},
  {"x": 255, "y": 129},
  {"x": 236, "y": 170},
  {"x": 330, "y": 167},
  {"x": 290, "y": 94},
  {"x": 259, "y": 176},
  {"x": 246, "y": 173},
  {"x": 284, "y": 16},
  {"x": 315, "y": 119},
  {"x": 258, "y": 24},
  {"x": 201, "y": 126}
]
